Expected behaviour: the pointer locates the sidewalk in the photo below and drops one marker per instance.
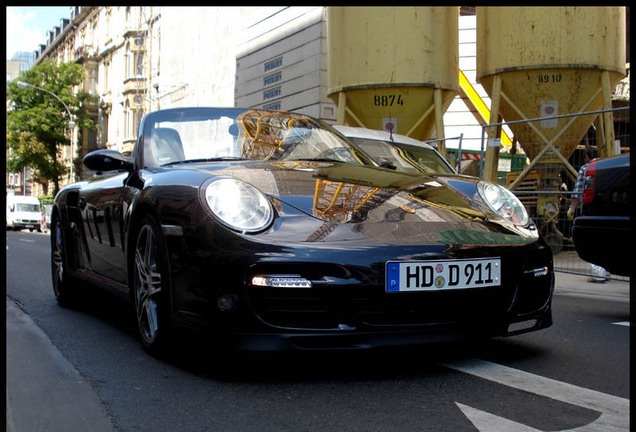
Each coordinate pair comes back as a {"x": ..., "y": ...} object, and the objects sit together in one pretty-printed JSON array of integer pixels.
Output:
[
  {"x": 46, "y": 393},
  {"x": 576, "y": 284}
]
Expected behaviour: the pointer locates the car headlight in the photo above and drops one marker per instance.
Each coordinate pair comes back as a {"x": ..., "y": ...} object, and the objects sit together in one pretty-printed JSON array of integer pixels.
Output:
[
  {"x": 239, "y": 205},
  {"x": 503, "y": 202}
]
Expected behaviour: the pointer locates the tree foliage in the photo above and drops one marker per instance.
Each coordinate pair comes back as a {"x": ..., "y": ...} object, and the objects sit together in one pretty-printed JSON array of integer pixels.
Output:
[{"x": 38, "y": 124}]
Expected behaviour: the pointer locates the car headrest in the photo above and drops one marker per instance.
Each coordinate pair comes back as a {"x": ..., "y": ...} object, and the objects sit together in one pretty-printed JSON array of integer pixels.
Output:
[{"x": 166, "y": 146}]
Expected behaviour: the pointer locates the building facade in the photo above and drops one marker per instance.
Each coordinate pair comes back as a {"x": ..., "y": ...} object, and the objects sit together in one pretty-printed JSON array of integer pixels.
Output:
[
  {"x": 20, "y": 62},
  {"x": 143, "y": 58},
  {"x": 281, "y": 64}
]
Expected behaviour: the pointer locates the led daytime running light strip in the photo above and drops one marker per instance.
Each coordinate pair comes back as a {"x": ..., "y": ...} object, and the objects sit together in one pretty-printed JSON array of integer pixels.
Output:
[{"x": 281, "y": 281}]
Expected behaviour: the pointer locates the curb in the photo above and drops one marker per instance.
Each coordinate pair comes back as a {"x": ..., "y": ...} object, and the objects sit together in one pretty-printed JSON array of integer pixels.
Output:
[{"x": 44, "y": 391}]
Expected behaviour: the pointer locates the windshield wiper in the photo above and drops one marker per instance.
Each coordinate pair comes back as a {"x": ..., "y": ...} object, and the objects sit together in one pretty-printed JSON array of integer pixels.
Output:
[
  {"x": 214, "y": 159},
  {"x": 317, "y": 160}
]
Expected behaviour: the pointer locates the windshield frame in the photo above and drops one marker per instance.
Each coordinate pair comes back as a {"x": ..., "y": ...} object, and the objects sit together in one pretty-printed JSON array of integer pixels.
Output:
[{"x": 281, "y": 125}]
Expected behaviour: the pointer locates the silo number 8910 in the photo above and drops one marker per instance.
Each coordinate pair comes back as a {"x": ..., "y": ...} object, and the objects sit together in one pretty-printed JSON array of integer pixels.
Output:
[{"x": 554, "y": 78}]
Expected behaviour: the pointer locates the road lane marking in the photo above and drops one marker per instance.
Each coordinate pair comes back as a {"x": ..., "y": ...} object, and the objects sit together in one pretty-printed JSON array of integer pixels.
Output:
[
  {"x": 622, "y": 323},
  {"x": 614, "y": 410}
]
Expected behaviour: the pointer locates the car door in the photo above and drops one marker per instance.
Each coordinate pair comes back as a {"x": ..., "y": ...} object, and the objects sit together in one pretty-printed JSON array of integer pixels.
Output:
[{"x": 103, "y": 202}]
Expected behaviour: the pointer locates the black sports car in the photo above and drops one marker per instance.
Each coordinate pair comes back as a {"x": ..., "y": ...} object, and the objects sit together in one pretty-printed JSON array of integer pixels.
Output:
[{"x": 274, "y": 231}]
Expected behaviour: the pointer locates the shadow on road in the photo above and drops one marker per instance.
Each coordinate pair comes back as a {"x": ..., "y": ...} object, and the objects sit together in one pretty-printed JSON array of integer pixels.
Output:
[{"x": 198, "y": 353}]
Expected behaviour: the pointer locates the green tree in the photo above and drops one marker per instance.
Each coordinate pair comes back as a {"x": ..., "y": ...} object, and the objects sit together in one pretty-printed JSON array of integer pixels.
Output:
[{"x": 38, "y": 124}]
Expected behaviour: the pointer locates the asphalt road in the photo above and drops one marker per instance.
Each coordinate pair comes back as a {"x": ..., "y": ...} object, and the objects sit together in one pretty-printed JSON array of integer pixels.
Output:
[{"x": 83, "y": 369}]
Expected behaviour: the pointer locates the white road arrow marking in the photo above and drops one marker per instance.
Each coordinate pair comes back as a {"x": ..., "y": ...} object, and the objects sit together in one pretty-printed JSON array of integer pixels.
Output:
[
  {"x": 485, "y": 421},
  {"x": 614, "y": 410}
]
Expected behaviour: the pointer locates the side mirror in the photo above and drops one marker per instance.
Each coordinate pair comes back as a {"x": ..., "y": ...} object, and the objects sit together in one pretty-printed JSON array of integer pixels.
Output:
[{"x": 107, "y": 160}]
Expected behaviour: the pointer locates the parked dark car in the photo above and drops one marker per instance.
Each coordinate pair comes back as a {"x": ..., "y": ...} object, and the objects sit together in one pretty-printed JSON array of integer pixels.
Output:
[
  {"x": 396, "y": 151},
  {"x": 273, "y": 231},
  {"x": 603, "y": 228}
]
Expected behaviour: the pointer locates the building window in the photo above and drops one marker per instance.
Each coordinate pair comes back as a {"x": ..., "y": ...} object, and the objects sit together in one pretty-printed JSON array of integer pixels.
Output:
[
  {"x": 137, "y": 115},
  {"x": 128, "y": 60},
  {"x": 105, "y": 119},
  {"x": 106, "y": 73},
  {"x": 91, "y": 71},
  {"x": 127, "y": 120},
  {"x": 139, "y": 63},
  {"x": 92, "y": 140},
  {"x": 134, "y": 62}
]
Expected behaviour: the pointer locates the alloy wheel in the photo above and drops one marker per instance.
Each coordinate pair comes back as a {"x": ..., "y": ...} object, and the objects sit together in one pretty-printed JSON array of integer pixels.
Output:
[
  {"x": 57, "y": 258},
  {"x": 147, "y": 286}
]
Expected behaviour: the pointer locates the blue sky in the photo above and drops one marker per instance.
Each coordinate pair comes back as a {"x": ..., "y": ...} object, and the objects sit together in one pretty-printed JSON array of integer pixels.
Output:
[{"x": 27, "y": 26}]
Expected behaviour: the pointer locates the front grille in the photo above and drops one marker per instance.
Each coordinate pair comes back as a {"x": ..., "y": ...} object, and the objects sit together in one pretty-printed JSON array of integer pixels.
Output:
[
  {"x": 292, "y": 307},
  {"x": 430, "y": 307},
  {"x": 338, "y": 307}
]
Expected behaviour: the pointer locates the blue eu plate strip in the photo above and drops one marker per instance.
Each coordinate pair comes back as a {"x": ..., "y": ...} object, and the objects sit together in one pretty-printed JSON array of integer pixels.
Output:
[{"x": 392, "y": 277}]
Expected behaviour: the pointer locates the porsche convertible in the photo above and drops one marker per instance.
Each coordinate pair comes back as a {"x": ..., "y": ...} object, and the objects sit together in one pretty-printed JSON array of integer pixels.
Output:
[{"x": 271, "y": 230}]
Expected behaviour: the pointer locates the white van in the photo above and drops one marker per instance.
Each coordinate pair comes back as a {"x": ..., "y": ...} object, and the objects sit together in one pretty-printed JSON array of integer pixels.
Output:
[{"x": 23, "y": 212}]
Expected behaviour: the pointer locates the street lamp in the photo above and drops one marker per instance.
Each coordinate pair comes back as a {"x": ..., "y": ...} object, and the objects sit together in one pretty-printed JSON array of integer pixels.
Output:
[{"x": 71, "y": 123}]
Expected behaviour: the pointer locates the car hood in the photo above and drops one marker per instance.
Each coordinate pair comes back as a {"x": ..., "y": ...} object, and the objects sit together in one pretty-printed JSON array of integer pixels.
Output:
[{"x": 349, "y": 202}]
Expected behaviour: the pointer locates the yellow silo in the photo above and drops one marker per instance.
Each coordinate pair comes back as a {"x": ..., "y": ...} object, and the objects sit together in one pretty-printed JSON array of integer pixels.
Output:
[
  {"x": 535, "y": 61},
  {"x": 393, "y": 68}
]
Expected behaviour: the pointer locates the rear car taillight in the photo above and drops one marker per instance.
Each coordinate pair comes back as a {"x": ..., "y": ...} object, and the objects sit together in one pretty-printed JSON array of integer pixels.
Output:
[{"x": 588, "y": 186}]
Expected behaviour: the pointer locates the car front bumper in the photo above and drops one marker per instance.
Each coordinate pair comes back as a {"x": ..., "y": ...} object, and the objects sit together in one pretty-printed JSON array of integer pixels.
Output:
[
  {"x": 348, "y": 305},
  {"x": 347, "y": 339},
  {"x": 24, "y": 225}
]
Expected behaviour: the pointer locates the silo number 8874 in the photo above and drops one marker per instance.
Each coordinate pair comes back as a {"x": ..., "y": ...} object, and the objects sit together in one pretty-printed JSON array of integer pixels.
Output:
[{"x": 388, "y": 100}]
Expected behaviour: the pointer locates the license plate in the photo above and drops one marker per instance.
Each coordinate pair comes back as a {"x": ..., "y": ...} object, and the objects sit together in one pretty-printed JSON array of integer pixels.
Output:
[{"x": 405, "y": 276}]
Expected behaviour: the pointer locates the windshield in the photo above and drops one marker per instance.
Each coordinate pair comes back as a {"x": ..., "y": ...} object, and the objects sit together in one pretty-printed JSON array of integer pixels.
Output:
[
  {"x": 202, "y": 134},
  {"x": 404, "y": 157},
  {"x": 22, "y": 207}
]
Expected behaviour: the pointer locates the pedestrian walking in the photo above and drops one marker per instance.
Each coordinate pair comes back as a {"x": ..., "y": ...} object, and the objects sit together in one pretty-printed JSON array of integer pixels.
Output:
[{"x": 599, "y": 274}]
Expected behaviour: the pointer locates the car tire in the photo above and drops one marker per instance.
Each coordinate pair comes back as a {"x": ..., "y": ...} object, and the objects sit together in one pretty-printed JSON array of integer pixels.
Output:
[
  {"x": 64, "y": 286},
  {"x": 150, "y": 290}
]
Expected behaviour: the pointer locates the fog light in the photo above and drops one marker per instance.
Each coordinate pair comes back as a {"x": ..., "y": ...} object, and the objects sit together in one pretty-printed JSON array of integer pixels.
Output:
[
  {"x": 281, "y": 281},
  {"x": 227, "y": 302}
]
